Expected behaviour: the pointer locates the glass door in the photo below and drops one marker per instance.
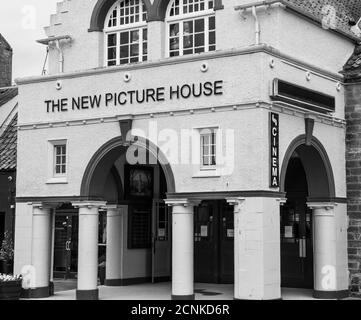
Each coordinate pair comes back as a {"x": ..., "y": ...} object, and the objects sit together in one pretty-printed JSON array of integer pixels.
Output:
[
  {"x": 296, "y": 244},
  {"x": 66, "y": 246}
]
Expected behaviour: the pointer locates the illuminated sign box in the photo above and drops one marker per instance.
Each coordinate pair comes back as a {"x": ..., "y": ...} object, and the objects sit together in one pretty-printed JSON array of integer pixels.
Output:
[{"x": 302, "y": 97}]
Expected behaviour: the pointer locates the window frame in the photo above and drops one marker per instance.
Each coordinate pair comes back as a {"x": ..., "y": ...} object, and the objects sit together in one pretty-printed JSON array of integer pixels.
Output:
[
  {"x": 180, "y": 19},
  {"x": 208, "y": 132},
  {"x": 53, "y": 177},
  {"x": 61, "y": 164},
  {"x": 118, "y": 29}
]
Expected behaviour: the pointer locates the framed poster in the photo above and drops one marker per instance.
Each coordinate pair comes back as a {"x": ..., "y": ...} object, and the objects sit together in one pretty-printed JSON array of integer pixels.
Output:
[{"x": 138, "y": 182}]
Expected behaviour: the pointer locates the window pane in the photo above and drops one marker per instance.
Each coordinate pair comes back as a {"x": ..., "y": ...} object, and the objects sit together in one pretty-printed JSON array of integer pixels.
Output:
[
  {"x": 134, "y": 50},
  {"x": 199, "y": 25},
  {"x": 212, "y": 23},
  {"x": 212, "y": 38},
  {"x": 124, "y": 37},
  {"x": 188, "y": 27},
  {"x": 134, "y": 36},
  {"x": 199, "y": 40},
  {"x": 174, "y": 29},
  {"x": 124, "y": 51},
  {"x": 112, "y": 53},
  {"x": 188, "y": 42},
  {"x": 112, "y": 40}
]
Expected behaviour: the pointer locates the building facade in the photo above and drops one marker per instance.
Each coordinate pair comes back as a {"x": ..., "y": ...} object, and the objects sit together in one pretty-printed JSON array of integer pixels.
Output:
[{"x": 191, "y": 141}]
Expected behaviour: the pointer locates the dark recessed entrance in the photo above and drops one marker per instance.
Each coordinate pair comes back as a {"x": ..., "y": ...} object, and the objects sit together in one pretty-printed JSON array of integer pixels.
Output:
[
  {"x": 296, "y": 229},
  {"x": 214, "y": 243}
]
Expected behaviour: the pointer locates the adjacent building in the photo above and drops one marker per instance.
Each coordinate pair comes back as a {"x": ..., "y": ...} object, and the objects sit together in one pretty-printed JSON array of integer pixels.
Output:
[
  {"x": 190, "y": 141},
  {"x": 8, "y": 121}
]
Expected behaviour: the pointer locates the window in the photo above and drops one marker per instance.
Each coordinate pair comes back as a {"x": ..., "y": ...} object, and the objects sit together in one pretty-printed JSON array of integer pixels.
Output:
[
  {"x": 126, "y": 34},
  {"x": 208, "y": 149},
  {"x": 60, "y": 160},
  {"x": 191, "y": 27}
]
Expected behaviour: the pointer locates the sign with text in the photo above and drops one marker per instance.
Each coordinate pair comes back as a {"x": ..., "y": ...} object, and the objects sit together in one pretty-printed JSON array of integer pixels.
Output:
[
  {"x": 133, "y": 97},
  {"x": 274, "y": 126}
]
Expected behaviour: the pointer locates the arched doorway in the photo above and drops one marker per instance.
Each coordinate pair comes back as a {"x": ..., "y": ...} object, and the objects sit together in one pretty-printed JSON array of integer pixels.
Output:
[
  {"x": 306, "y": 177},
  {"x": 134, "y": 233}
]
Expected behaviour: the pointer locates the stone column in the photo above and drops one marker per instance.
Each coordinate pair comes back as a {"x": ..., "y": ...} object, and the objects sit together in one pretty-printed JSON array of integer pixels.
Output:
[
  {"x": 114, "y": 244},
  {"x": 182, "y": 248},
  {"x": 41, "y": 251},
  {"x": 52, "y": 237},
  {"x": 257, "y": 253},
  {"x": 329, "y": 273},
  {"x": 88, "y": 249}
]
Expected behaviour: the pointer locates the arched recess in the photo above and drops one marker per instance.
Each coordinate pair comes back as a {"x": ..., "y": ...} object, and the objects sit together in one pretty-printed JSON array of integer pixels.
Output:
[
  {"x": 156, "y": 11},
  {"x": 317, "y": 165},
  {"x": 102, "y": 162}
]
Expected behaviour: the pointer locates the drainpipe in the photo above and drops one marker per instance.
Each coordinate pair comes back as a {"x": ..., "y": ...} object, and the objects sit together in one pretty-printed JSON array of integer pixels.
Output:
[
  {"x": 61, "y": 56},
  {"x": 257, "y": 25},
  {"x": 56, "y": 41}
]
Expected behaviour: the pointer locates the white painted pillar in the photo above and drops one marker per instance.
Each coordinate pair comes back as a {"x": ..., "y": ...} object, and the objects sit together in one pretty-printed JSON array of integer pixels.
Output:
[
  {"x": 114, "y": 244},
  {"x": 88, "y": 249},
  {"x": 52, "y": 241},
  {"x": 156, "y": 36},
  {"x": 327, "y": 270},
  {"x": 182, "y": 249},
  {"x": 41, "y": 251},
  {"x": 257, "y": 254}
]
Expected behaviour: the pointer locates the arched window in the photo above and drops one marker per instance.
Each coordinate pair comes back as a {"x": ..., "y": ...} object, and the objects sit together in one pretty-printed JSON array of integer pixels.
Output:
[
  {"x": 126, "y": 38},
  {"x": 191, "y": 27}
]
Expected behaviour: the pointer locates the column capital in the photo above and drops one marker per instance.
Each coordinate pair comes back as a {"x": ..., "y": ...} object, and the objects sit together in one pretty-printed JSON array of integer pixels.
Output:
[
  {"x": 282, "y": 201},
  {"x": 326, "y": 206},
  {"x": 114, "y": 207},
  {"x": 113, "y": 210},
  {"x": 89, "y": 204},
  {"x": 235, "y": 201},
  {"x": 182, "y": 202},
  {"x": 42, "y": 205}
]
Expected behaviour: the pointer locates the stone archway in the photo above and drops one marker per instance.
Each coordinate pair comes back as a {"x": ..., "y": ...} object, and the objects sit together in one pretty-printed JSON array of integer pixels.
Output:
[
  {"x": 317, "y": 165},
  {"x": 103, "y": 160},
  {"x": 313, "y": 223}
]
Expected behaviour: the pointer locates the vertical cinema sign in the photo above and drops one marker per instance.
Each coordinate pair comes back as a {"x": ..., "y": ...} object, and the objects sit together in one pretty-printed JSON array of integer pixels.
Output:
[{"x": 275, "y": 154}]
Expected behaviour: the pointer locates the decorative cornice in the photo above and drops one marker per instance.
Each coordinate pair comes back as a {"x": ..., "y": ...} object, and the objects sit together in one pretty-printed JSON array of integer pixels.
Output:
[
  {"x": 275, "y": 106},
  {"x": 262, "y": 48}
]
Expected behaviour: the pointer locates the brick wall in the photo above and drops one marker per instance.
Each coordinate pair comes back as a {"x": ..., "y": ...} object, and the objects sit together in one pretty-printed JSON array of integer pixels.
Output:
[
  {"x": 5, "y": 63},
  {"x": 353, "y": 165}
]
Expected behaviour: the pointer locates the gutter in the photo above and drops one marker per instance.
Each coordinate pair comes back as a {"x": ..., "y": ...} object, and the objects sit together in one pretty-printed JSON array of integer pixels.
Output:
[{"x": 268, "y": 3}]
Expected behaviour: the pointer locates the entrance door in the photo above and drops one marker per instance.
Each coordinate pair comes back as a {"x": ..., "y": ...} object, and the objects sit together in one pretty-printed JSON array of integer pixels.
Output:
[
  {"x": 161, "y": 242},
  {"x": 66, "y": 246},
  {"x": 214, "y": 242},
  {"x": 296, "y": 230}
]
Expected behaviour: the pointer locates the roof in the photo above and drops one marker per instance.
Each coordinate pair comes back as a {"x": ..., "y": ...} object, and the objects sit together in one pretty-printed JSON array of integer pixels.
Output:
[
  {"x": 5, "y": 44},
  {"x": 342, "y": 14},
  {"x": 6, "y": 94},
  {"x": 8, "y": 142}
]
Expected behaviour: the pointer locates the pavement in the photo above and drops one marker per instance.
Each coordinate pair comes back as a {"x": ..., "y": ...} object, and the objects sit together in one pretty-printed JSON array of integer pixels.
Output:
[{"x": 65, "y": 290}]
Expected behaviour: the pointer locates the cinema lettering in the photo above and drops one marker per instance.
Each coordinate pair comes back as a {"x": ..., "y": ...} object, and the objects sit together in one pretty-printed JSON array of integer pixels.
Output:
[
  {"x": 274, "y": 124},
  {"x": 131, "y": 97}
]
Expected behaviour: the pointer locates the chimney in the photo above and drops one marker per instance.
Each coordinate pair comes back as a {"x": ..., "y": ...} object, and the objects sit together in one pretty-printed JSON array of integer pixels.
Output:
[{"x": 6, "y": 55}]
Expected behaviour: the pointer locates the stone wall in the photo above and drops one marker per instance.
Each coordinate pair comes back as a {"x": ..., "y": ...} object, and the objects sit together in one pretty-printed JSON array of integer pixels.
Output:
[
  {"x": 6, "y": 54},
  {"x": 353, "y": 165}
]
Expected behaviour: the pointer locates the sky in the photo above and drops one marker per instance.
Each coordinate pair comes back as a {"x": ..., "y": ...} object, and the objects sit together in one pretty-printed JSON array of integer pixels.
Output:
[{"x": 21, "y": 23}]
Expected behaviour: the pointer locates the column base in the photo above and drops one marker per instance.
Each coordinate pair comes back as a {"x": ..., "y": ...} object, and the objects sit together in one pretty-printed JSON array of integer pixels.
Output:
[
  {"x": 188, "y": 297},
  {"x": 331, "y": 295},
  {"x": 36, "y": 293},
  {"x": 87, "y": 294},
  {"x": 51, "y": 288},
  {"x": 237, "y": 299}
]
